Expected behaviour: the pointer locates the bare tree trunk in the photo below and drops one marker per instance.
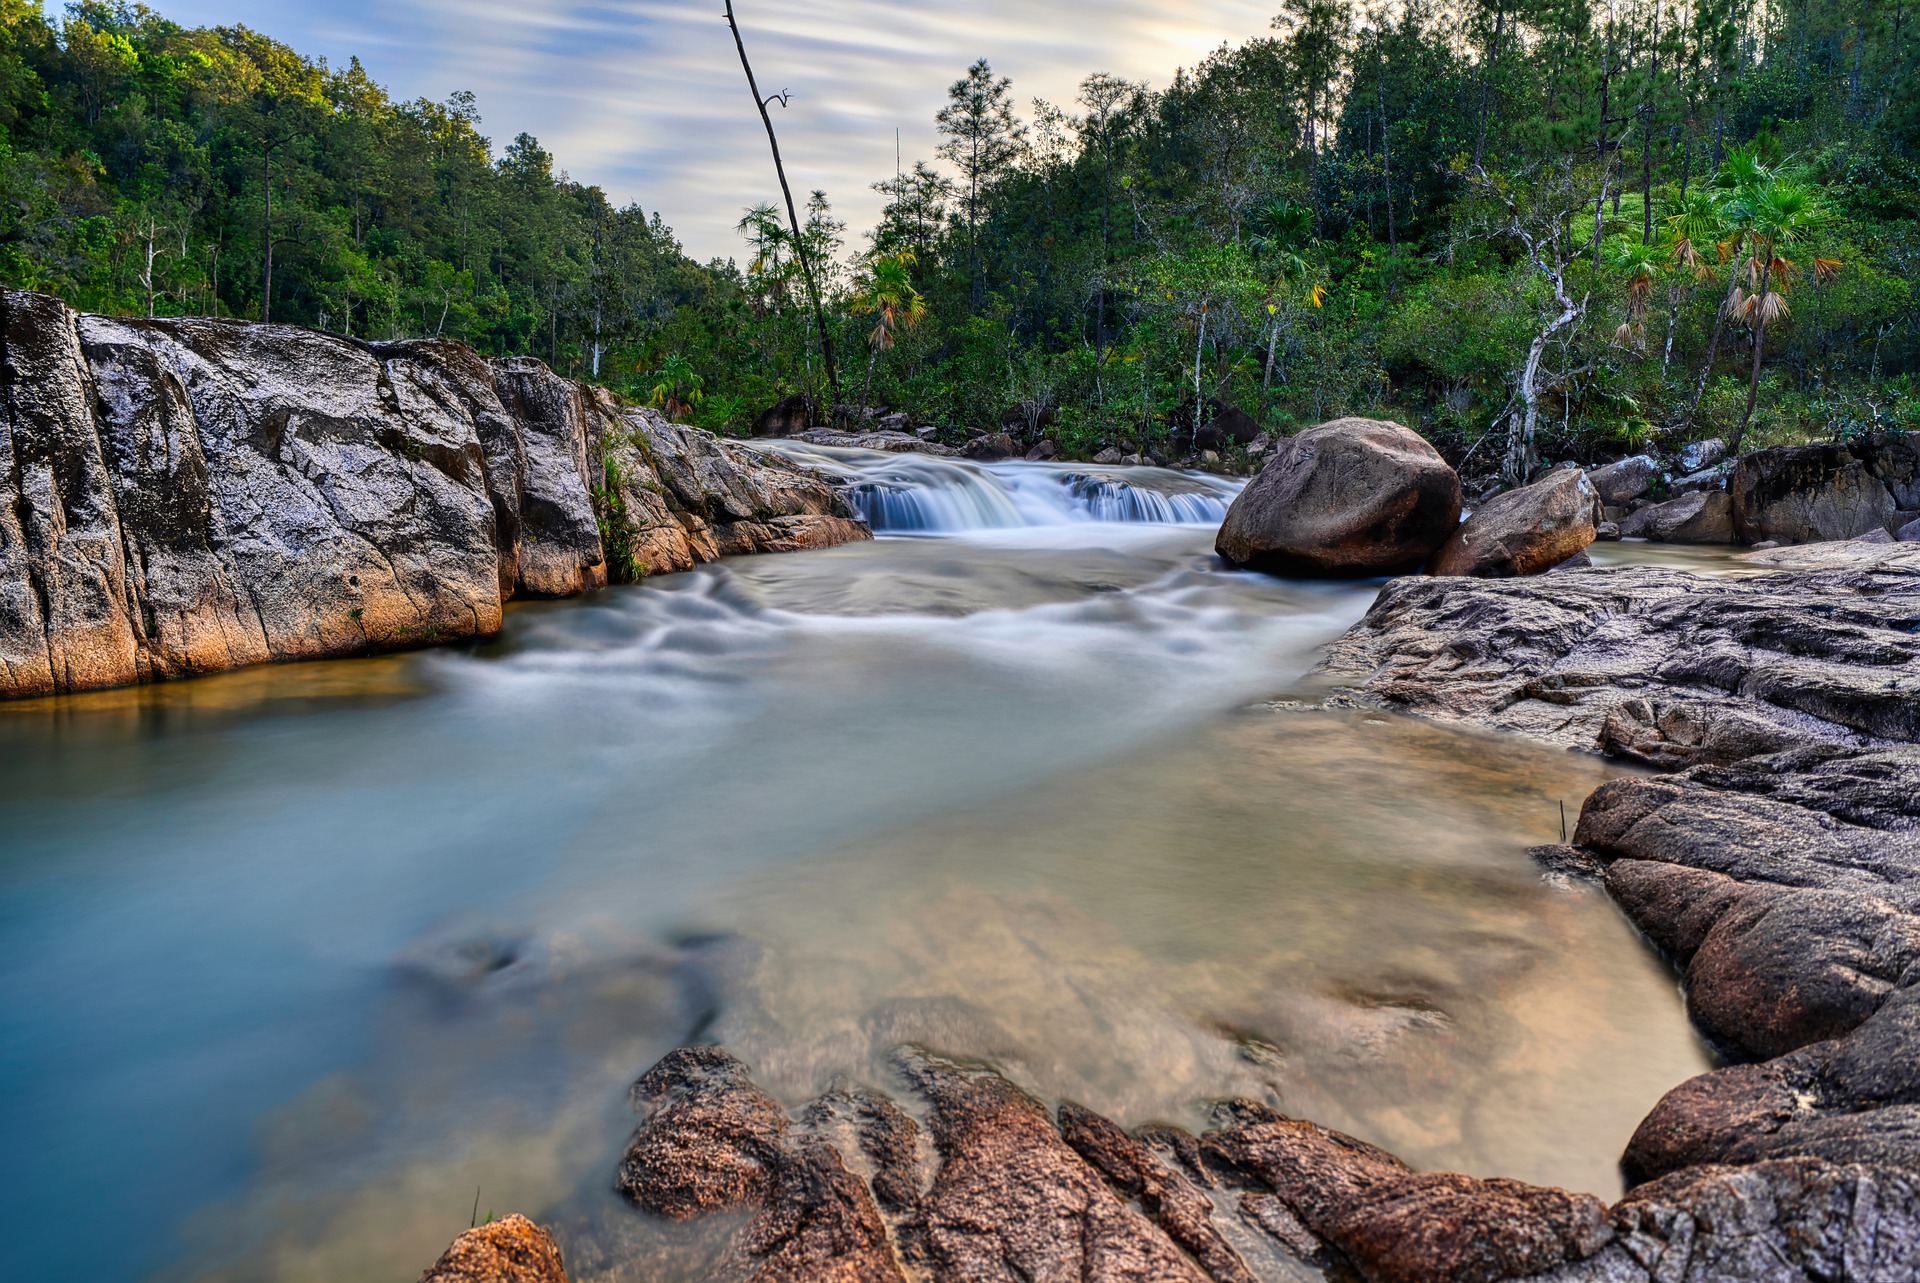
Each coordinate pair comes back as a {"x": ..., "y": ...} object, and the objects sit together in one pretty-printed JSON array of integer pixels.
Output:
[
  {"x": 1759, "y": 352},
  {"x": 266, "y": 291},
  {"x": 1199, "y": 345},
  {"x": 793, "y": 215}
]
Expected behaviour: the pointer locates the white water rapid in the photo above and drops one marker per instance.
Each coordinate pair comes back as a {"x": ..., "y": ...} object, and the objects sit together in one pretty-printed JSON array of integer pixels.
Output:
[{"x": 921, "y": 494}]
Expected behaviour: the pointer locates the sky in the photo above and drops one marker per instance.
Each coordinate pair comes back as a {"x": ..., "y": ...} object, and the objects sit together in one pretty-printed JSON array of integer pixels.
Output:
[{"x": 645, "y": 98}]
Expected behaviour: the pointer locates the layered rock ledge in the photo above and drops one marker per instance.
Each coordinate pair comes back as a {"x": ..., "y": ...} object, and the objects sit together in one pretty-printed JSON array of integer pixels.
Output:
[{"x": 186, "y": 496}]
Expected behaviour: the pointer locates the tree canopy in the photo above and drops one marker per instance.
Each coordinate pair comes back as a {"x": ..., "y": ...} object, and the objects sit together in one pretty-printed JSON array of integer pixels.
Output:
[{"x": 1559, "y": 226}]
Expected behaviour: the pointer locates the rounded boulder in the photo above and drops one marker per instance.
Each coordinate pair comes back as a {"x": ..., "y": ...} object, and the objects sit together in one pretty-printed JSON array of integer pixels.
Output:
[
  {"x": 1348, "y": 499},
  {"x": 1524, "y": 532}
]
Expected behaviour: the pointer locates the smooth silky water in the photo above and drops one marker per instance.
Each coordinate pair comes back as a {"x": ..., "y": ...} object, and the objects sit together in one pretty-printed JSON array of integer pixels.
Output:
[{"x": 297, "y": 959}]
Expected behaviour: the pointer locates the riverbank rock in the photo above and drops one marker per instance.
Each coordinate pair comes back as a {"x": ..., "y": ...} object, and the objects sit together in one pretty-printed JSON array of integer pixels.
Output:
[
  {"x": 1805, "y": 494},
  {"x": 1007, "y": 1190},
  {"x": 1780, "y": 873},
  {"x": 1704, "y": 516},
  {"x": 510, "y": 1250},
  {"x": 891, "y": 442},
  {"x": 1697, "y": 456},
  {"x": 1523, "y": 532},
  {"x": 788, "y": 416},
  {"x": 1652, "y": 665},
  {"x": 1350, "y": 498},
  {"x": 186, "y": 496},
  {"x": 1620, "y": 483}
]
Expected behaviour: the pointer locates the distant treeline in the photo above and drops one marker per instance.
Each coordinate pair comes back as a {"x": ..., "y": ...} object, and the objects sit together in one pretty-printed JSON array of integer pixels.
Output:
[{"x": 1532, "y": 228}]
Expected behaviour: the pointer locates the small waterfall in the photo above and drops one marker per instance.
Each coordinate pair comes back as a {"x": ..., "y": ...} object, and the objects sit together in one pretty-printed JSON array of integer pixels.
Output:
[{"x": 923, "y": 494}]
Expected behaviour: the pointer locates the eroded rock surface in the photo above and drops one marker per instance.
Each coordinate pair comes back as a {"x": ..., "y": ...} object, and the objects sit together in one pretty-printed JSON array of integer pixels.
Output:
[
  {"x": 510, "y": 1250},
  {"x": 1654, "y": 665},
  {"x": 186, "y": 496},
  {"x": 1804, "y": 494}
]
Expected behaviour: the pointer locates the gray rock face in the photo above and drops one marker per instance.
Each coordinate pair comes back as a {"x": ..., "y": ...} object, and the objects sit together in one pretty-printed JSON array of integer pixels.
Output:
[
  {"x": 1623, "y": 482},
  {"x": 1697, "y": 456},
  {"x": 1805, "y": 494},
  {"x": 1653, "y": 665},
  {"x": 185, "y": 496},
  {"x": 1705, "y": 516},
  {"x": 1354, "y": 497},
  {"x": 1523, "y": 532}
]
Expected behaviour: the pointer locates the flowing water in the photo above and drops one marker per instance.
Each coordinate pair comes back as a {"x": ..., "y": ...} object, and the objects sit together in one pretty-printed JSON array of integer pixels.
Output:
[{"x": 297, "y": 959}]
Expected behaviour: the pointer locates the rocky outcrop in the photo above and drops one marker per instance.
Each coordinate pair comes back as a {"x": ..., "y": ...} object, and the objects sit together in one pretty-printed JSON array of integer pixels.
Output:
[
  {"x": 788, "y": 415},
  {"x": 1008, "y": 1191},
  {"x": 1657, "y": 666},
  {"x": 891, "y": 442},
  {"x": 1804, "y": 494},
  {"x": 186, "y": 496},
  {"x": 1780, "y": 873},
  {"x": 1525, "y": 531},
  {"x": 510, "y": 1250},
  {"x": 1354, "y": 497}
]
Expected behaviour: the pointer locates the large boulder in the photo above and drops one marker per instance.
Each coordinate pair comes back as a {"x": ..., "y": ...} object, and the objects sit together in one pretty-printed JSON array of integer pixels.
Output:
[
  {"x": 1525, "y": 531},
  {"x": 1807, "y": 494},
  {"x": 1623, "y": 482},
  {"x": 1706, "y": 516},
  {"x": 1350, "y": 498},
  {"x": 788, "y": 415}
]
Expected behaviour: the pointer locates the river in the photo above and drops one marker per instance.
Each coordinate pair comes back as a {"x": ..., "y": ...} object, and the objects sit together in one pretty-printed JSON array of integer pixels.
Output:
[{"x": 300, "y": 961}]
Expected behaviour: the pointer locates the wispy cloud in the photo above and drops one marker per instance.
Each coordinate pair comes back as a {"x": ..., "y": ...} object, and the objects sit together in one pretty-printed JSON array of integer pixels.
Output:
[{"x": 645, "y": 97}]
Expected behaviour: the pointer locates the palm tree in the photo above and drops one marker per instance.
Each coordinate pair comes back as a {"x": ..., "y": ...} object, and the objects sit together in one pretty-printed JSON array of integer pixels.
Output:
[
  {"x": 1638, "y": 265},
  {"x": 677, "y": 388},
  {"x": 887, "y": 294},
  {"x": 1692, "y": 222},
  {"x": 1740, "y": 173},
  {"x": 1774, "y": 216}
]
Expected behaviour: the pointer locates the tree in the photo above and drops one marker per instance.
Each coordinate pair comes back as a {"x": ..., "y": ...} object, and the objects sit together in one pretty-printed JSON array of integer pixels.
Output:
[
  {"x": 677, "y": 387},
  {"x": 887, "y": 294},
  {"x": 983, "y": 141},
  {"x": 1775, "y": 216},
  {"x": 1316, "y": 35},
  {"x": 793, "y": 214}
]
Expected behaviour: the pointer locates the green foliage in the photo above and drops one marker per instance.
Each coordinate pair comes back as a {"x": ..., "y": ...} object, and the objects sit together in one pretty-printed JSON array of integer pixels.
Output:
[{"x": 1322, "y": 219}]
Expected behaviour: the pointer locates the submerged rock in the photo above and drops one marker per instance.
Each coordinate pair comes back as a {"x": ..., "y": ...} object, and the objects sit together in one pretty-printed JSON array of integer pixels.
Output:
[
  {"x": 510, "y": 1250},
  {"x": 186, "y": 496},
  {"x": 1528, "y": 531},
  {"x": 1354, "y": 497}
]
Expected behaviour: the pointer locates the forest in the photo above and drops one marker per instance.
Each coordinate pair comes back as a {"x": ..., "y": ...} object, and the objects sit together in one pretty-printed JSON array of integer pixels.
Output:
[{"x": 1533, "y": 230}]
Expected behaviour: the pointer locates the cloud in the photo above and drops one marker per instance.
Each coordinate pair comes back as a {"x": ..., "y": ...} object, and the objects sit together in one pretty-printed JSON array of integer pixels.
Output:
[{"x": 645, "y": 97}]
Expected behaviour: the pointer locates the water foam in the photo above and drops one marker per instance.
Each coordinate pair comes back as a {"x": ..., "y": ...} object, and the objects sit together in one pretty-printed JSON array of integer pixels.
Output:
[{"x": 924, "y": 494}]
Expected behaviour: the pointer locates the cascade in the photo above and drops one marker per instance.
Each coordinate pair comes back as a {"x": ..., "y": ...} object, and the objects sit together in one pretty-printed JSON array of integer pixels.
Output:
[{"x": 924, "y": 494}]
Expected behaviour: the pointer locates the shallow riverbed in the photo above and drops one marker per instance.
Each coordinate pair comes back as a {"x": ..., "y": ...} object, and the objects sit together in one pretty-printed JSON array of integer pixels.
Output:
[{"x": 298, "y": 957}]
